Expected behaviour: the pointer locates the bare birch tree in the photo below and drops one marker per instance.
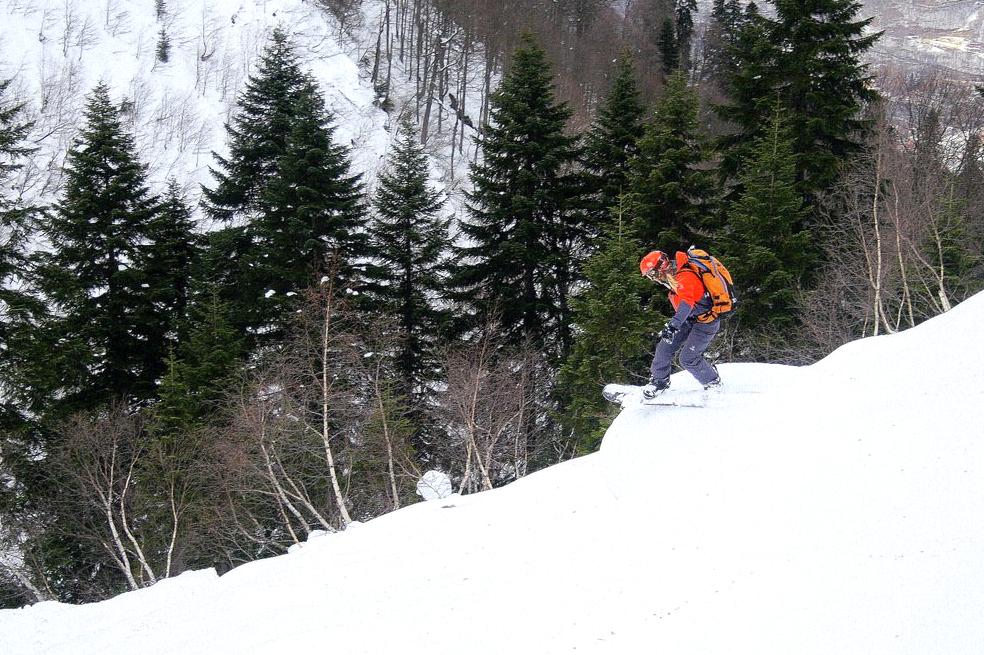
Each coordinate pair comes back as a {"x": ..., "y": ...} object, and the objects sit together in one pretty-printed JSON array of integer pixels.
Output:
[{"x": 491, "y": 408}]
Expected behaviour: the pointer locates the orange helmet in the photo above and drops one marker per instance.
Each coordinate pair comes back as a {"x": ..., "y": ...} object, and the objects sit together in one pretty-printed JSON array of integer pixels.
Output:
[{"x": 655, "y": 265}]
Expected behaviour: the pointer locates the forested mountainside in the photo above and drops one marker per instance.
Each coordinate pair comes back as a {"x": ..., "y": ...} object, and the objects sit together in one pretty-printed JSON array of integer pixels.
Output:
[
  {"x": 939, "y": 34},
  {"x": 266, "y": 265}
]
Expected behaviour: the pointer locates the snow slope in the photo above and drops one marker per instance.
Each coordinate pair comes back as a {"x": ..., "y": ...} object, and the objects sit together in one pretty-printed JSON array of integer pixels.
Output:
[{"x": 830, "y": 509}]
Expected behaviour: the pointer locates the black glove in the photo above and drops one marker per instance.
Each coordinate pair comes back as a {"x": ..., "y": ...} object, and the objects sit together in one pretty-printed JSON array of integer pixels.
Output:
[{"x": 668, "y": 332}]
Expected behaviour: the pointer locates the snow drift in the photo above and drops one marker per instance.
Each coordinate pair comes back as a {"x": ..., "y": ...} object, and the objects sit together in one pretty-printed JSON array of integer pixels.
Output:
[{"x": 829, "y": 509}]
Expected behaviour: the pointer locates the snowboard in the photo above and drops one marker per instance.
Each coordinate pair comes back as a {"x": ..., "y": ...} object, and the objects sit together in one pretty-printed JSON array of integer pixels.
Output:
[{"x": 627, "y": 395}]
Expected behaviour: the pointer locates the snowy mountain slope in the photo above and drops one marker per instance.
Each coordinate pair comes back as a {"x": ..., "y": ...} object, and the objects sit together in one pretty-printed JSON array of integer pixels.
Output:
[
  {"x": 57, "y": 50},
  {"x": 829, "y": 509}
]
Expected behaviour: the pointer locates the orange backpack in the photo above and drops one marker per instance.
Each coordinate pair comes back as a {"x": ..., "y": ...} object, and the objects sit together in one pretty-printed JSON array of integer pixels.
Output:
[{"x": 717, "y": 281}]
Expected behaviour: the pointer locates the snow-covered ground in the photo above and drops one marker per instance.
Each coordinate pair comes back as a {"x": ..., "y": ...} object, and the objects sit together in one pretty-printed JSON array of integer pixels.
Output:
[{"x": 830, "y": 509}]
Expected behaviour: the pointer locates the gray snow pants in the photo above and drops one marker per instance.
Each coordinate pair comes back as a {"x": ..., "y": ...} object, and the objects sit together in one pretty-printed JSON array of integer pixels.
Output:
[{"x": 691, "y": 340}]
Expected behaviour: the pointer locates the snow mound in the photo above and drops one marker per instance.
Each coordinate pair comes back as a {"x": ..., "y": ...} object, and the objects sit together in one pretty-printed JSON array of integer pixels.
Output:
[{"x": 827, "y": 509}]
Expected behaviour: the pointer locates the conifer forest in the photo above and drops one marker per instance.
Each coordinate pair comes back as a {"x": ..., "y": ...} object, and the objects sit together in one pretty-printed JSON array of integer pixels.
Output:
[{"x": 200, "y": 374}]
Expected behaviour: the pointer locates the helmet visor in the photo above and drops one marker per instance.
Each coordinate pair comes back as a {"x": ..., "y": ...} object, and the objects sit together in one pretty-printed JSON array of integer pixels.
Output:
[{"x": 653, "y": 274}]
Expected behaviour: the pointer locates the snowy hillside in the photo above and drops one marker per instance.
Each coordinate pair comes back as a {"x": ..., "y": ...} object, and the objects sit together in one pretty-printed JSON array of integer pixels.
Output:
[
  {"x": 942, "y": 33},
  {"x": 830, "y": 509},
  {"x": 57, "y": 50}
]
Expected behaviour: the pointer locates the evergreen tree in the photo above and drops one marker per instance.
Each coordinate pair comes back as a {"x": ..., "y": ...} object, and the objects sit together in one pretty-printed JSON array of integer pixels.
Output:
[
  {"x": 19, "y": 438},
  {"x": 95, "y": 275},
  {"x": 309, "y": 212},
  {"x": 522, "y": 229},
  {"x": 947, "y": 238},
  {"x": 171, "y": 254},
  {"x": 670, "y": 193},
  {"x": 259, "y": 132},
  {"x": 177, "y": 412},
  {"x": 409, "y": 244},
  {"x": 720, "y": 41},
  {"x": 286, "y": 191},
  {"x": 684, "y": 11},
  {"x": 611, "y": 144},
  {"x": 18, "y": 307},
  {"x": 163, "y": 51},
  {"x": 810, "y": 53},
  {"x": 748, "y": 85},
  {"x": 768, "y": 251},
  {"x": 669, "y": 47},
  {"x": 210, "y": 353},
  {"x": 970, "y": 188},
  {"x": 12, "y": 136},
  {"x": 177, "y": 491},
  {"x": 950, "y": 247},
  {"x": 612, "y": 339},
  {"x": 257, "y": 136}
]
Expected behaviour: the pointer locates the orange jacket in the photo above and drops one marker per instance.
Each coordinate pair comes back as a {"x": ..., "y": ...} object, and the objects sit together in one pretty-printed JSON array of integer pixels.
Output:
[{"x": 691, "y": 288}]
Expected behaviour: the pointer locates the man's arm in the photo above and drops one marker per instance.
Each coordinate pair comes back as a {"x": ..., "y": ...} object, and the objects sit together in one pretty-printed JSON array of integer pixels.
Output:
[{"x": 688, "y": 295}]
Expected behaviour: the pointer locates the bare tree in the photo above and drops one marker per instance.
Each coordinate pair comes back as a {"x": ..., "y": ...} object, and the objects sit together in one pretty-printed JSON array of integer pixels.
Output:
[
  {"x": 491, "y": 407},
  {"x": 312, "y": 434},
  {"x": 898, "y": 218},
  {"x": 16, "y": 527},
  {"x": 383, "y": 451}
]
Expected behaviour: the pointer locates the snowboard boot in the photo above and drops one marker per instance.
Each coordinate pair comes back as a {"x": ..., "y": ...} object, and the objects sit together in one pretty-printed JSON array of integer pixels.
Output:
[
  {"x": 716, "y": 382},
  {"x": 655, "y": 387}
]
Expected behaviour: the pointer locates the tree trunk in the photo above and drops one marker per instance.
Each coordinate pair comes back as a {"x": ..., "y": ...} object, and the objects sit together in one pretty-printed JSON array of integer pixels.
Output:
[{"x": 325, "y": 428}]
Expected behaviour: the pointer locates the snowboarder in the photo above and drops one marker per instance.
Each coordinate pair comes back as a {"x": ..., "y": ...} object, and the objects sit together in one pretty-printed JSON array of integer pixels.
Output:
[{"x": 684, "y": 333}]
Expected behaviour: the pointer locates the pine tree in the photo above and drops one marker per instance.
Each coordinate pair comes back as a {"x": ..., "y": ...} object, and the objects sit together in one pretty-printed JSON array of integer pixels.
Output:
[
  {"x": 19, "y": 307},
  {"x": 257, "y": 138},
  {"x": 163, "y": 51},
  {"x": 170, "y": 256},
  {"x": 768, "y": 251},
  {"x": 259, "y": 132},
  {"x": 287, "y": 192},
  {"x": 811, "y": 53},
  {"x": 969, "y": 186},
  {"x": 611, "y": 144},
  {"x": 720, "y": 42},
  {"x": 670, "y": 193},
  {"x": 177, "y": 411},
  {"x": 211, "y": 352},
  {"x": 95, "y": 275},
  {"x": 684, "y": 12},
  {"x": 522, "y": 228},
  {"x": 950, "y": 247},
  {"x": 19, "y": 442},
  {"x": 612, "y": 338},
  {"x": 410, "y": 243},
  {"x": 748, "y": 84},
  {"x": 669, "y": 47},
  {"x": 310, "y": 211}
]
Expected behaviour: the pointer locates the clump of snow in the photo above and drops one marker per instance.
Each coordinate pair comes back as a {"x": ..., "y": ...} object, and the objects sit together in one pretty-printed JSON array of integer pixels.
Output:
[
  {"x": 828, "y": 509},
  {"x": 434, "y": 485}
]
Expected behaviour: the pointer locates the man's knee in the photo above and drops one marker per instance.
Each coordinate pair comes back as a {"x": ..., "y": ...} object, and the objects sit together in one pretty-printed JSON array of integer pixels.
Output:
[{"x": 691, "y": 356}]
